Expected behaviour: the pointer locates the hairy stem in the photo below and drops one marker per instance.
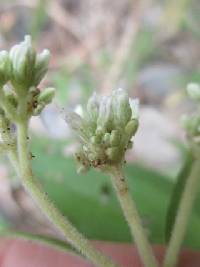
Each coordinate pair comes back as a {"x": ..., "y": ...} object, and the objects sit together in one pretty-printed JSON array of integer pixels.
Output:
[
  {"x": 132, "y": 217},
  {"x": 13, "y": 157},
  {"x": 183, "y": 216},
  {"x": 44, "y": 240},
  {"x": 33, "y": 187}
]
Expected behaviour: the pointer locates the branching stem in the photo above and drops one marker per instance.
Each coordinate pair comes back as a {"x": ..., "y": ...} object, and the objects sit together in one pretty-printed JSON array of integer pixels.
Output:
[{"x": 33, "y": 187}]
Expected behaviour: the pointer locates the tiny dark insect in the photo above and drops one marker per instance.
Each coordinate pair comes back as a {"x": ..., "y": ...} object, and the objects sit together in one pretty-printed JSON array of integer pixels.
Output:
[
  {"x": 34, "y": 104},
  {"x": 31, "y": 156}
]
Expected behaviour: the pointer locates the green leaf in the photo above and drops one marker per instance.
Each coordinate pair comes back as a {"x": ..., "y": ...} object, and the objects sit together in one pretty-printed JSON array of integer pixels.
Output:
[
  {"x": 177, "y": 194},
  {"x": 89, "y": 200},
  {"x": 39, "y": 19}
]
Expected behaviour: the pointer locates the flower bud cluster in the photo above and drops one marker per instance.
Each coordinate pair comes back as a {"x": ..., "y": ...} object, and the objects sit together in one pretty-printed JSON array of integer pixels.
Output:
[
  {"x": 28, "y": 67},
  {"x": 105, "y": 129},
  {"x": 24, "y": 69},
  {"x": 191, "y": 123}
]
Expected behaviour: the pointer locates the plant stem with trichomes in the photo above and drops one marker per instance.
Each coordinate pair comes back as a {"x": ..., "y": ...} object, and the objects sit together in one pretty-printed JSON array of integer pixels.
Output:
[
  {"x": 183, "y": 216},
  {"x": 33, "y": 187},
  {"x": 133, "y": 219}
]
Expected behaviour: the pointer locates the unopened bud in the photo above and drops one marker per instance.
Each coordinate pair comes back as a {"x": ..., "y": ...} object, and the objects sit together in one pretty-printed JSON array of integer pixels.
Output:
[
  {"x": 121, "y": 107},
  {"x": 113, "y": 153},
  {"x": 5, "y": 67},
  {"x": 114, "y": 138},
  {"x": 46, "y": 95},
  {"x": 28, "y": 68},
  {"x": 131, "y": 128},
  {"x": 41, "y": 65},
  {"x": 193, "y": 90},
  {"x": 93, "y": 107}
]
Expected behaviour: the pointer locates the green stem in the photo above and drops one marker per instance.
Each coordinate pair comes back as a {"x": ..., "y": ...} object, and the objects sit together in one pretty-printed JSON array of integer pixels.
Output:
[
  {"x": 33, "y": 187},
  {"x": 183, "y": 216},
  {"x": 132, "y": 217},
  {"x": 12, "y": 156},
  {"x": 44, "y": 240},
  {"x": 8, "y": 108}
]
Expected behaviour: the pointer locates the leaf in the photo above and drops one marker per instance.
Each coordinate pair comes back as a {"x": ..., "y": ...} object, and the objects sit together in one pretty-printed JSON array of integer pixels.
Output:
[
  {"x": 177, "y": 194},
  {"x": 90, "y": 203},
  {"x": 89, "y": 200},
  {"x": 39, "y": 19}
]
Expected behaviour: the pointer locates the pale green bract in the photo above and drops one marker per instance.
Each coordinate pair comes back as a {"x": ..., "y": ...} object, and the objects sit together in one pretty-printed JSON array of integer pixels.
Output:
[
  {"x": 5, "y": 67},
  {"x": 28, "y": 67},
  {"x": 105, "y": 129}
]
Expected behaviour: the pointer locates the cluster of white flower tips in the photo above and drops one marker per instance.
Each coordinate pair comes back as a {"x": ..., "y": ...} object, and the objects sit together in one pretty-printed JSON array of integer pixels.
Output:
[
  {"x": 105, "y": 129},
  {"x": 21, "y": 71}
]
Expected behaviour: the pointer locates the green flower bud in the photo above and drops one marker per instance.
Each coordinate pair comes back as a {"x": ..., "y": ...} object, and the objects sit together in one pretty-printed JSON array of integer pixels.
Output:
[
  {"x": 105, "y": 118},
  {"x": 46, "y": 95},
  {"x": 131, "y": 128},
  {"x": 41, "y": 66},
  {"x": 2, "y": 113},
  {"x": 191, "y": 124},
  {"x": 93, "y": 107},
  {"x": 106, "y": 139},
  {"x": 121, "y": 107},
  {"x": 193, "y": 90},
  {"x": 23, "y": 58},
  {"x": 113, "y": 153},
  {"x": 95, "y": 139},
  {"x": 28, "y": 68},
  {"x": 5, "y": 67},
  {"x": 100, "y": 131},
  {"x": 116, "y": 122},
  {"x": 134, "y": 104},
  {"x": 36, "y": 111},
  {"x": 114, "y": 138}
]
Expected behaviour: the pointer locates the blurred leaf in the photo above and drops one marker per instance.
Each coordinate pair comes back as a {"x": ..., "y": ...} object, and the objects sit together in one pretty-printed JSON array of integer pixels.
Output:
[
  {"x": 177, "y": 194},
  {"x": 61, "y": 80},
  {"x": 87, "y": 81},
  {"x": 144, "y": 46},
  {"x": 174, "y": 14},
  {"x": 191, "y": 76},
  {"x": 4, "y": 224},
  {"x": 142, "y": 50},
  {"x": 39, "y": 18},
  {"x": 89, "y": 200}
]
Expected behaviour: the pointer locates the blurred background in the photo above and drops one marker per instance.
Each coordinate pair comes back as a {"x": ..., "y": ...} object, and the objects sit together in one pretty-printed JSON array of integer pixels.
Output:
[{"x": 149, "y": 47}]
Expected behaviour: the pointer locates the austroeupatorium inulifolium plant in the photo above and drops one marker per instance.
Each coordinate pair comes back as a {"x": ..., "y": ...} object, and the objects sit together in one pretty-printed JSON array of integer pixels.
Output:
[{"x": 105, "y": 130}]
